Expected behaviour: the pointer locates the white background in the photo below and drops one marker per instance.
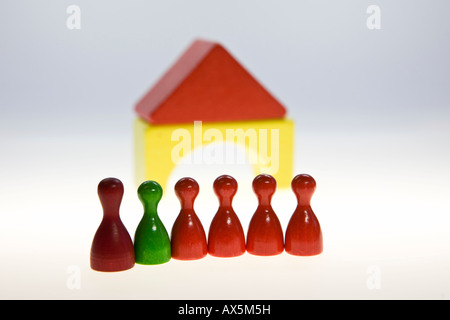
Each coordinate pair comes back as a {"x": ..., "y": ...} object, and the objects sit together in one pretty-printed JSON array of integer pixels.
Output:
[{"x": 371, "y": 112}]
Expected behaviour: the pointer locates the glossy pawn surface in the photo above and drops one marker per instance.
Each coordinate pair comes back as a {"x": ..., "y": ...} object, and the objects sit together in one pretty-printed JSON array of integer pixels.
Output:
[
  {"x": 226, "y": 237},
  {"x": 112, "y": 248},
  {"x": 303, "y": 233},
  {"x": 265, "y": 235},
  {"x": 188, "y": 238},
  {"x": 151, "y": 240}
]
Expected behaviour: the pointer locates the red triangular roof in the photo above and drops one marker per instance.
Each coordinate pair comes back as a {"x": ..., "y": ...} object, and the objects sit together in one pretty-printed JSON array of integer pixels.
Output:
[{"x": 207, "y": 84}]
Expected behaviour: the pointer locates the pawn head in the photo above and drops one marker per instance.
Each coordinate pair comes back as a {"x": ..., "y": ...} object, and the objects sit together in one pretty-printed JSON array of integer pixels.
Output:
[
  {"x": 110, "y": 191},
  {"x": 149, "y": 192},
  {"x": 225, "y": 187},
  {"x": 187, "y": 190},
  {"x": 303, "y": 186},
  {"x": 264, "y": 186}
]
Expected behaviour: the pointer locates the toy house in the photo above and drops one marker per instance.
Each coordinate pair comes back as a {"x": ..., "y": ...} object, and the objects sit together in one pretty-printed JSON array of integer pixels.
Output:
[{"x": 208, "y": 96}]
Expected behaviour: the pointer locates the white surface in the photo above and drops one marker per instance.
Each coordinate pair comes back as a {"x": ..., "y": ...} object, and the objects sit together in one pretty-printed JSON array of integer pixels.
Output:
[
  {"x": 371, "y": 110},
  {"x": 395, "y": 219}
]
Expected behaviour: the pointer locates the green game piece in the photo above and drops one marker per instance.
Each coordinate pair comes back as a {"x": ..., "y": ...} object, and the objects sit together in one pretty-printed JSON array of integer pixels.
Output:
[{"x": 151, "y": 240}]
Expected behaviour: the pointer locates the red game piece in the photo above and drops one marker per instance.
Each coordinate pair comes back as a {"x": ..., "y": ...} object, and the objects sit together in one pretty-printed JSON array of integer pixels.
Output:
[
  {"x": 112, "y": 248},
  {"x": 265, "y": 235},
  {"x": 207, "y": 84},
  {"x": 188, "y": 239},
  {"x": 303, "y": 234},
  {"x": 226, "y": 237}
]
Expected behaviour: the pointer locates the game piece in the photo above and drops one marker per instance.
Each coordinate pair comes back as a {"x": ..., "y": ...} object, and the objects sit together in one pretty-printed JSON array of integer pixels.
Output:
[
  {"x": 265, "y": 235},
  {"x": 303, "y": 233},
  {"x": 112, "y": 248},
  {"x": 188, "y": 237},
  {"x": 226, "y": 236},
  {"x": 151, "y": 240}
]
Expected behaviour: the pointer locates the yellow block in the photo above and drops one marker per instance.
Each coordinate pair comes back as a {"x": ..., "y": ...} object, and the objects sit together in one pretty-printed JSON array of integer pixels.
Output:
[{"x": 268, "y": 145}]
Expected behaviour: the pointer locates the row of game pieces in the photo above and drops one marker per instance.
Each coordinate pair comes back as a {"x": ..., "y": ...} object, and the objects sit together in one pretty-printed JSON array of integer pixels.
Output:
[{"x": 113, "y": 249}]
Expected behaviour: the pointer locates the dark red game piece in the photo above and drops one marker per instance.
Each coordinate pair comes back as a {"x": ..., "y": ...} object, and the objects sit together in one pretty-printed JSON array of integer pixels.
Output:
[
  {"x": 226, "y": 236},
  {"x": 112, "y": 248},
  {"x": 265, "y": 235},
  {"x": 188, "y": 239},
  {"x": 303, "y": 234}
]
